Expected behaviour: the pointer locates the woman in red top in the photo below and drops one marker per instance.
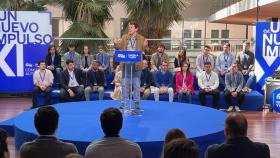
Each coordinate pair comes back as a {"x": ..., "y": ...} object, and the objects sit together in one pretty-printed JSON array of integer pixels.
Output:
[{"x": 184, "y": 82}]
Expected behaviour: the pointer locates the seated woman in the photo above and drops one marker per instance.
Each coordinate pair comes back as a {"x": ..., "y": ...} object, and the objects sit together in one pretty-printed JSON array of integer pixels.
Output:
[
  {"x": 86, "y": 59},
  {"x": 184, "y": 82},
  {"x": 179, "y": 59},
  {"x": 4, "y": 152},
  {"x": 117, "y": 93}
]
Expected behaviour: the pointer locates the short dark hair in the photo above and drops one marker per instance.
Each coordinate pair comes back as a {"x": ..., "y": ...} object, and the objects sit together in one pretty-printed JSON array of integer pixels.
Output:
[
  {"x": 227, "y": 44},
  {"x": 41, "y": 61},
  {"x": 3, "y": 142},
  {"x": 173, "y": 134},
  {"x": 207, "y": 46},
  {"x": 46, "y": 120},
  {"x": 161, "y": 45},
  {"x": 237, "y": 124},
  {"x": 207, "y": 63},
  {"x": 111, "y": 121},
  {"x": 69, "y": 61},
  {"x": 71, "y": 45},
  {"x": 134, "y": 23},
  {"x": 97, "y": 62},
  {"x": 181, "y": 148}
]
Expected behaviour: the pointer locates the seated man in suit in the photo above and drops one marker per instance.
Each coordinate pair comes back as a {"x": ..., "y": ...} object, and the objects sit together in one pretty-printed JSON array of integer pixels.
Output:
[
  {"x": 158, "y": 57},
  {"x": 237, "y": 144},
  {"x": 53, "y": 62},
  {"x": 112, "y": 144},
  {"x": 164, "y": 82},
  {"x": 73, "y": 55},
  {"x": 146, "y": 80},
  {"x": 46, "y": 145},
  {"x": 72, "y": 83},
  {"x": 43, "y": 80},
  {"x": 208, "y": 82},
  {"x": 234, "y": 84},
  {"x": 96, "y": 81}
]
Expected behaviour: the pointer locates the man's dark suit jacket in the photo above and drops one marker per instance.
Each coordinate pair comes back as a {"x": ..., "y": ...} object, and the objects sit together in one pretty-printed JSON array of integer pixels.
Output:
[
  {"x": 65, "y": 77},
  {"x": 241, "y": 147},
  {"x": 46, "y": 147},
  {"x": 99, "y": 77},
  {"x": 57, "y": 60}
]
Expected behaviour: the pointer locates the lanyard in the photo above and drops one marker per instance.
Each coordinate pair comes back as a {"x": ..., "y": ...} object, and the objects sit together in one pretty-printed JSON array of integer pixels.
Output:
[
  {"x": 53, "y": 56},
  {"x": 207, "y": 77},
  {"x": 132, "y": 42},
  {"x": 42, "y": 78},
  {"x": 72, "y": 77},
  {"x": 204, "y": 61},
  {"x": 226, "y": 58},
  {"x": 71, "y": 55}
]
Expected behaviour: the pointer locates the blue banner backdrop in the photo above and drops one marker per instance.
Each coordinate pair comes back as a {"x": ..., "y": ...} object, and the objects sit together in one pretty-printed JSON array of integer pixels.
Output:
[
  {"x": 267, "y": 51},
  {"x": 24, "y": 40}
]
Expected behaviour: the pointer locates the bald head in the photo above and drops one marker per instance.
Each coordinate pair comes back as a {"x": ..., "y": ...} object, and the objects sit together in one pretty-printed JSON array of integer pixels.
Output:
[{"x": 236, "y": 125}]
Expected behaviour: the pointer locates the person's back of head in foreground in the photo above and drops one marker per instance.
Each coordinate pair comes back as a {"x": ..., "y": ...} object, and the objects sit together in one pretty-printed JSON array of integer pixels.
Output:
[{"x": 181, "y": 148}]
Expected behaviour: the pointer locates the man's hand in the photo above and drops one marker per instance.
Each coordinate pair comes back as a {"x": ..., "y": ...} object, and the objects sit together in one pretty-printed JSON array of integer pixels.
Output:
[
  {"x": 71, "y": 93},
  {"x": 114, "y": 40},
  {"x": 142, "y": 89},
  {"x": 95, "y": 88},
  {"x": 82, "y": 86},
  {"x": 162, "y": 90},
  {"x": 43, "y": 88},
  {"x": 245, "y": 72},
  {"x": 234, "y": 94}
]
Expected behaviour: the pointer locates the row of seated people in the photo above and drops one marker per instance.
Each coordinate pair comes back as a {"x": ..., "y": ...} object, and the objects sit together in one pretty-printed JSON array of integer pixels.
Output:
[
  {"x": 175, "y": 145},
  {"x": 221, "y": 65},
  {"x": 75, "y": 83}
]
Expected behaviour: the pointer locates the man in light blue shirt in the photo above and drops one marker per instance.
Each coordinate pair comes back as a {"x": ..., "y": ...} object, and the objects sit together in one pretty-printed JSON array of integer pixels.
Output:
[
  {"x": 104, "y": 59},
  {"x": 224, "y": 62},
  {"x": 72, "y": 55}
]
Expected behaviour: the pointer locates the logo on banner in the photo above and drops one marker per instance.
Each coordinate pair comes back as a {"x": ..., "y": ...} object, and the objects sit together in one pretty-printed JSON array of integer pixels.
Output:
[
  {"x": 128, "y": 56},
  {"x": 275, "y": 100},
  {"x": 24, "y": 39},
  {"x": 267, "y": 50}
]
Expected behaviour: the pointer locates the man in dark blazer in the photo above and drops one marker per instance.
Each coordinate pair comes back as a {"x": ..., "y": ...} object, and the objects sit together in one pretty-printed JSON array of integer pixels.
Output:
[
  {"x": 233, "y": 88},
  {"x": 237, "y": 144},
  {"x": 46, "y": 145},
  {"x": 72, "y": 83},
  {"x": 95, "y": 81},
  {"x": 53, "y": 62}
]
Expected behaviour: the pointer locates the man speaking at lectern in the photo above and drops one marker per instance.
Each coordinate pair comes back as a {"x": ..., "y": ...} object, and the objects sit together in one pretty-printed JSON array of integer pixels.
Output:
[{"x": 131, "y": 41}]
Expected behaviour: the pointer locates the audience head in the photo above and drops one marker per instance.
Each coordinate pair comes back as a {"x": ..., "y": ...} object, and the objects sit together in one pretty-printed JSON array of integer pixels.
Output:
[
  {"x": 172, "y": 134},
  {"x": 132, "y": 28},
  {"x": 85, "y": 50},
  {"x": 185, "y": 67},
  {"x": 3, "y": 144},
  {"x": 235, "y": 125},
  {"x": 206, "y": 49},
  {"x": 73, "y": 155},
  {"x": 46, "y": 120},
  {"x": 71, "y": 47},
  {"x": 226, "y": 47},
  {"x": 145, "y": 64},
  {"x": 208, "y": 67},
  {"x": 181, "y": 148},
  {"x": 42, "y": 65},
  {"x": 164, "y": 66},
  {"x": 52, "y": 49},
  {"x": 234, "y": 68},
  {"x": 95, "y": 65},
  {"x": 100, "y": 49},
  {"x": 246, "y": 46},
  {"x": 161, "y": 48},
  {"x": 111, "y": 121},
  {"x": 70, "y": 65}
]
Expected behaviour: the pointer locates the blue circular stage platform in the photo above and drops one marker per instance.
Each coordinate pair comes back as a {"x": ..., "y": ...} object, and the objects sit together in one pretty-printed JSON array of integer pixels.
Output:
[{"x": 79, "y": 123}]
